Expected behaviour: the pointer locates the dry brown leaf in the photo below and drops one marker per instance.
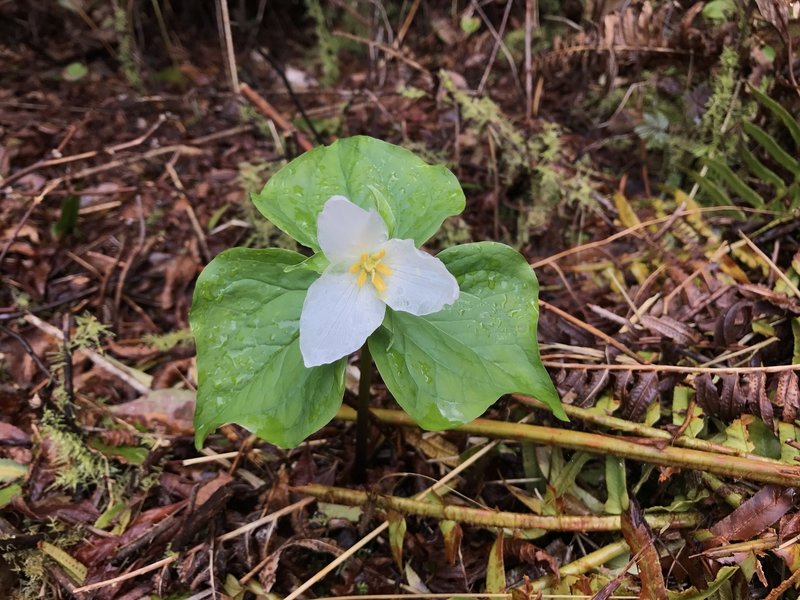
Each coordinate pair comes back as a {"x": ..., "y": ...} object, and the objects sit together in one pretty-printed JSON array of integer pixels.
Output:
[
  {"x": 639, "y": 536},
  {"x": 170, "y": 410},
  {"x": 763, "y": 509},
  {"x": 787, "y": 395},
  {"x": 673, "y": 330}
]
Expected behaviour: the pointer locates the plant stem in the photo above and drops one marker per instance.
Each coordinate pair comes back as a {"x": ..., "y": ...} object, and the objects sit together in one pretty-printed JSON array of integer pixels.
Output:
[
  {"x": 670, "y": 456},
  {"x": 362, "y": 418},
  {"x": 485, "y": 517},
  {"x": 643, "y": 430},
  {"x": 583, "y": 565}
]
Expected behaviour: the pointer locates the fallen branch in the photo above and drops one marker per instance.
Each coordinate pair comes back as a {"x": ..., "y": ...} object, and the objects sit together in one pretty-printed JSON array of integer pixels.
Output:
[
  {"x": 485, "y": 517},
  {"x": 669, "y": 456}
]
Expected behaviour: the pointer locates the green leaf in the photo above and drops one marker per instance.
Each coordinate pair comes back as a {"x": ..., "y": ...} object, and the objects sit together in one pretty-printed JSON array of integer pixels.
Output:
[
  {"x": 11, "y": 470},
  {"x": 772, "y": 147},
  {"x": 69, "y": 217},
  {"x": 446, "y": 368},
  {"x": 715, "y": 192},
  {"x": 397, "y": 535},
  {"x": 760, "y": 170},
  {"x": 370, "y": 173},
  {"x": 719, "y": 10},
  {"x": 694, "y": 594},
  {"x": 734, "y": 182},
  {"x": 74, "y": 71},
  {"x": 779, "y": 111},
  {"x": 7, "y": 494},
  {"x": 617, "y": 501},
  {"x": 245, "y": 319},
  {"x": 469, "y": 25},
  {"x": 495, "y": 567}
]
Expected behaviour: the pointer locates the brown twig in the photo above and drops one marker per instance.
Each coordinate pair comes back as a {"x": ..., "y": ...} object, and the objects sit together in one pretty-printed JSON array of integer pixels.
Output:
[
  {"x": 591, "y": 329},
  {"x": 270, "y": 112}
]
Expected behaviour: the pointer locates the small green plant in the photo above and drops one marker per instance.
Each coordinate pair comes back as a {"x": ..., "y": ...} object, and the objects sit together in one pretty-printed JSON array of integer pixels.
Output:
[
  {"x": 326, "y": 44},
  {"x": 127, "y": 49},
  {"x": 167, "y": 341},
  {"x": 78, "y": 464},
  {"x": 274, "y": 328},
  {"x": 775, "y": 187}
]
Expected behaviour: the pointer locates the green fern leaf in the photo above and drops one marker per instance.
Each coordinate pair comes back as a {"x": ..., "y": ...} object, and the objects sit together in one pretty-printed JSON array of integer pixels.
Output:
[
  {"x": 734, "y": 182},
  {"x": 760, "y": 170},
  {"x": 772, "y": 147},
  {"x": 779, "y": 111}
]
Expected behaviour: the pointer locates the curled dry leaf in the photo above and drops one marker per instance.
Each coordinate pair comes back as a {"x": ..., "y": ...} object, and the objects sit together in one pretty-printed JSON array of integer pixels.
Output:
[
  {"x": 733, "y": 323},
  {"x": 642, "y": 395},
  {"x": 640, "y": 538},
  {"x": 757, "y": 400},
  {"x": 787, "y": 395}
]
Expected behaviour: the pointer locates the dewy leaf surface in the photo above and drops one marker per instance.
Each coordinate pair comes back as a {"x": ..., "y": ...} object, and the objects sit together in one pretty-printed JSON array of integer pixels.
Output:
[
  {"x": 245, "y": 319},
  {"x": 446, "y": 368},
  {"x": 412, "y": 197}
]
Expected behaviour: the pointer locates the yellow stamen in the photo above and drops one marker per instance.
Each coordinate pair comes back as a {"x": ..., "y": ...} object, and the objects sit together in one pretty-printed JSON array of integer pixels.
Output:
[
  {"x": 378, "y": 282},
  {"x": 370, "y": 265}
]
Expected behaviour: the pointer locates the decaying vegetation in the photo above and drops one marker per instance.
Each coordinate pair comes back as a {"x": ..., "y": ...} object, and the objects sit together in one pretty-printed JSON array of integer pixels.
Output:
[{"x": 644, "y": 158}]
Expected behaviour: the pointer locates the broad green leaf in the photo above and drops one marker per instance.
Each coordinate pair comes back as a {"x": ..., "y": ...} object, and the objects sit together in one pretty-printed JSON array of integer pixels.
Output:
[
  {"x": 245, "y": 319},
  {"x": 412, "y": 196},
  {"x": 446, "y": 368}
]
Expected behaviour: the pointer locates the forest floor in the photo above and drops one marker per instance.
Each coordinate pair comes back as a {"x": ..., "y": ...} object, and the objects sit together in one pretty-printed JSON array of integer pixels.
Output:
[{"x": 669, "y": 306}]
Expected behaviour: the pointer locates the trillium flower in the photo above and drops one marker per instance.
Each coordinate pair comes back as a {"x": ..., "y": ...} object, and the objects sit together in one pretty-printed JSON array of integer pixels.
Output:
[{"x": 367, "y": 272}]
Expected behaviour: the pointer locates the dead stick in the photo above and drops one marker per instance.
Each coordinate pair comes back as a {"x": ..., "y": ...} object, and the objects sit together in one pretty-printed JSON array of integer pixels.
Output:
[{"x": 269, "y": 111}]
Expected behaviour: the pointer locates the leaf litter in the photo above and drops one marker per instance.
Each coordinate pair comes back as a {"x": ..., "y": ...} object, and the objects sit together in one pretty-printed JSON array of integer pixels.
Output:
[{"x": 162, "y": 184}]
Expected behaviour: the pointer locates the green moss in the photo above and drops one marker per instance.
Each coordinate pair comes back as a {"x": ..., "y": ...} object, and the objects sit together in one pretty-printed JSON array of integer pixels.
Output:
[
  {"x": 77, "y": 464},
  {"x": 167, "y": 341},
  {"x": 327, "y": 46}
]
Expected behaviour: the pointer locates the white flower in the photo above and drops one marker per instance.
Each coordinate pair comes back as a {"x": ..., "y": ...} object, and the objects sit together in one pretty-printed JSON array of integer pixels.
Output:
[{"x": 367, "y": 272}]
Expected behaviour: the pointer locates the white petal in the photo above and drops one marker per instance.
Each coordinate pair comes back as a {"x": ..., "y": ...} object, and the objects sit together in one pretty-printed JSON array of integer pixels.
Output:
[
  {"x": 419, "y": 283},
  {"x": 337, "y": 318},
  {"x": 345, "y": 231}
]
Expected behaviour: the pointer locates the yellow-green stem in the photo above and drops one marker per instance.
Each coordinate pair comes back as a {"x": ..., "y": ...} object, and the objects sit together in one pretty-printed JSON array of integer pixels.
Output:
[
  {"x": 484, "y": 517},
  {"x": 590, "y": 562},
  {"x": 686, "y": 458},
  {"x": 362, "y": 420},
  {"x": 643, "y": 430}
]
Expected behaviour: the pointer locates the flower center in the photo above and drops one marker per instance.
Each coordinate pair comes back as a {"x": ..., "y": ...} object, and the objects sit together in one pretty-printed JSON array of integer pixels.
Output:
[{"x": 370, "y": 265}]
